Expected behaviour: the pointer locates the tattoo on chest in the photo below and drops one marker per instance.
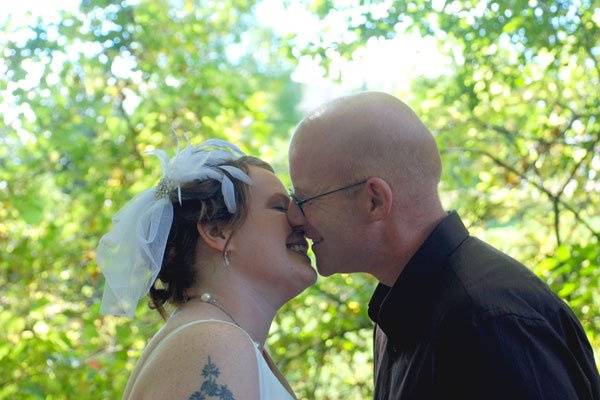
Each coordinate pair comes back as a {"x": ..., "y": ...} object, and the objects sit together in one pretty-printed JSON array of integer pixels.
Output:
[{"x": 210, "y": 389}]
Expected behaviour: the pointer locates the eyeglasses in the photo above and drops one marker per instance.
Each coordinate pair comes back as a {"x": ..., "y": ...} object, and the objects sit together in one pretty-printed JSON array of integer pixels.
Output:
[{"x": 300, "y": 202}]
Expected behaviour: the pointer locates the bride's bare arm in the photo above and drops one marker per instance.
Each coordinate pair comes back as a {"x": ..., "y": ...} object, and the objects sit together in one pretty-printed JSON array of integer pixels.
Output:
[{"x": 209, "y": 360}]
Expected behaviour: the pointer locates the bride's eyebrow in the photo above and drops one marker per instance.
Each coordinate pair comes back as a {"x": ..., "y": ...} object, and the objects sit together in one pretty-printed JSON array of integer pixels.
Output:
[{"x": 278, "y": 197}]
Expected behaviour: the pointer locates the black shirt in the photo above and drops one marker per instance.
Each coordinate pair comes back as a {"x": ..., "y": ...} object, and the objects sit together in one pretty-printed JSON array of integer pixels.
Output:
[{"x": 466, "y": 321}]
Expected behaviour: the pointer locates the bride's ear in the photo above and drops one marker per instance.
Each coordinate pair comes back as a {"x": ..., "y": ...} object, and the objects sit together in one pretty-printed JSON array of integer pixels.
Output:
[{"x": 215, "y": 235}]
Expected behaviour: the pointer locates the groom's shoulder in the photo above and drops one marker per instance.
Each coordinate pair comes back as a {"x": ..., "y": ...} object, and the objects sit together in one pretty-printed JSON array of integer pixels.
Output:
[{"x": 482, "y": 279}]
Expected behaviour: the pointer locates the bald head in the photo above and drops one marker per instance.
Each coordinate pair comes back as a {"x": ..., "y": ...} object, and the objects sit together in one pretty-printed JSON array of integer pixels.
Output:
[{"x": 363, "y": 135}]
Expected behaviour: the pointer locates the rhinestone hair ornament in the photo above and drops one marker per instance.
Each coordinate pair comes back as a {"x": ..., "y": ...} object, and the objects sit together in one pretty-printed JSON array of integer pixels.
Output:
[{"x": 131, "y": 254}]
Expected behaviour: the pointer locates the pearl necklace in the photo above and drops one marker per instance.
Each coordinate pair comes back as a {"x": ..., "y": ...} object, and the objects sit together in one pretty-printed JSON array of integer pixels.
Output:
[{"x": 209, "y": 299}]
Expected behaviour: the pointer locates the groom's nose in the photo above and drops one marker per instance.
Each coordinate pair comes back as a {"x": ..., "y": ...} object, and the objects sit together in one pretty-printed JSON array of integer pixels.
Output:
[{"x": 297, "y": 220}]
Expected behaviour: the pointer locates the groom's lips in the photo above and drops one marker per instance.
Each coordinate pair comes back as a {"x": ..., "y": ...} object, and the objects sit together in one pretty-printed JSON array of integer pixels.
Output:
[
  {"x": 296, "y": 238},
  {"x": 316, "y": 242}
]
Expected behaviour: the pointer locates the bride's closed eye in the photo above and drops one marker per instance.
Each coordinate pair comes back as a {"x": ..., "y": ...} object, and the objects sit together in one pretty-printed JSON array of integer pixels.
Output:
[
  {"x": 279, "y": 202},
  {"x": 281, "y": 207}
]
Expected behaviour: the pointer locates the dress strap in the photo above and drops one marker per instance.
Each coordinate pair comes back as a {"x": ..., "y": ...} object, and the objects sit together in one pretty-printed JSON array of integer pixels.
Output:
[
  {"x": 270, "y": 382},
  {"x": 182, "y": 327},
  {"x": 257, "y": 351}
]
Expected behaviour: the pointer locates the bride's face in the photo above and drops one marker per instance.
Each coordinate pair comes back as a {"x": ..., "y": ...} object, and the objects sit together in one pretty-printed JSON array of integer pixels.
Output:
[{"x": 265, "y": 248}]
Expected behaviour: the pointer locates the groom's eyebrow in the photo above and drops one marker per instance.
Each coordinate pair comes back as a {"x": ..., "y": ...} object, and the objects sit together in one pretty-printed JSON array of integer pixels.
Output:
[{"x": 296, "y": 192}]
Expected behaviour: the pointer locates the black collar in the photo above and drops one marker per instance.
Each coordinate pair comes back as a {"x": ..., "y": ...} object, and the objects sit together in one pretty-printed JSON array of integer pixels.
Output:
[{"x": 404, "y": 311}]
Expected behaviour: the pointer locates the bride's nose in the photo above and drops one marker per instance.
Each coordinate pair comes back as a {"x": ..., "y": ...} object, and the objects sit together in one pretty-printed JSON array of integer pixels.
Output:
[{"x": 295, "y": 216}]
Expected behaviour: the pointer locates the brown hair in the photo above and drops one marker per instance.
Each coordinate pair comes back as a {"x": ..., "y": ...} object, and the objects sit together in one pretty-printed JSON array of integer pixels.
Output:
[{"x": 201, "y": 202}]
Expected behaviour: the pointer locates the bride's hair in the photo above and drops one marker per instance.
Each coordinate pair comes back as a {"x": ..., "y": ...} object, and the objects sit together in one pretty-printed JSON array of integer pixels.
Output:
[{"x": 201, "y": 202}]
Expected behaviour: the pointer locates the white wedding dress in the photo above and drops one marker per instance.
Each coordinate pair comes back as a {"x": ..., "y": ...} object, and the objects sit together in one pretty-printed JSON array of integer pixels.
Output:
[{"x": 270, "y": 388}]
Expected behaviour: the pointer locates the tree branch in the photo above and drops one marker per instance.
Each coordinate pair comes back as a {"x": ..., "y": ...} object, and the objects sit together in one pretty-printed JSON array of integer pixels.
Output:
[
  {"x": 504, "y": 132},
  {"x": 537, "y": 185},
  {"x": 576, "y": 167},
  {"x": 556, "y": 220},
  {"x": 312, "y": 344},
  {"x": 339, "y": 301}
]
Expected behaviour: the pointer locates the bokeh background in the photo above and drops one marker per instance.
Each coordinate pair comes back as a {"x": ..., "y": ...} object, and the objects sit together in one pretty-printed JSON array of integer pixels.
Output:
[{"x": 510, "y": 88}]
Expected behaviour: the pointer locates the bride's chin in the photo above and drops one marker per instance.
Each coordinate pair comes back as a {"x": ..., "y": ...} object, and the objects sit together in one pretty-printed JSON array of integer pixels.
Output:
[
  {"x": 301, "y": 280},
  {"x": 297, "y": 291},
  {"x": 306, "y": 284},
  {"x": 309, "y": 277}
]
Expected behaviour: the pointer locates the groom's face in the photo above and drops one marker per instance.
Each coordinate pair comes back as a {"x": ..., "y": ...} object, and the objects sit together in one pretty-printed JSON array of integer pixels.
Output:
[{"x": 330, "y": 221}]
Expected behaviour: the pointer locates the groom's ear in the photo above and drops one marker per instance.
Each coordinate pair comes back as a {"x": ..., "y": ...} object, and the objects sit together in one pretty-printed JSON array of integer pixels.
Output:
[
  {"x": 379, "y": 197},
  {"x": 214, "y": 235}
]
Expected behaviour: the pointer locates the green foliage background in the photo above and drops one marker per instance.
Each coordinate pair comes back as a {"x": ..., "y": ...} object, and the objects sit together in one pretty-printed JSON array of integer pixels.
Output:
[{"x": 516, "y": 119}]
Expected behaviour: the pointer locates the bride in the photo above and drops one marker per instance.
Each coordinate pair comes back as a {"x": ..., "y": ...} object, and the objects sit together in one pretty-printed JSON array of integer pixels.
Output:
[{"x": 211, "y": 239}]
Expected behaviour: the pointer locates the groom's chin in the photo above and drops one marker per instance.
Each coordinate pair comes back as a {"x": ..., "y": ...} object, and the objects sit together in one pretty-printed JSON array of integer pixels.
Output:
[{"x": 324, "y": 271}]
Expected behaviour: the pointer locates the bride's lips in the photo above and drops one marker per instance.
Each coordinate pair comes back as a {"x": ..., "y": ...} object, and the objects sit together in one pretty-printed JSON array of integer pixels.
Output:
[
  {"x": 298, "y": 248},
  {"x": 297, "y": 243}
]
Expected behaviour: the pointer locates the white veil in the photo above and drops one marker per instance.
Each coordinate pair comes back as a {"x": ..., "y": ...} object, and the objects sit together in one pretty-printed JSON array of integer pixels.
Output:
[{"x": 130, "y": 255}]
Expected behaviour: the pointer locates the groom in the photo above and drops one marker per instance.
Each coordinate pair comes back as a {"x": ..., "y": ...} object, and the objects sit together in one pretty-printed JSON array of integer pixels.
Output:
[{"x": 454, "y": 317}]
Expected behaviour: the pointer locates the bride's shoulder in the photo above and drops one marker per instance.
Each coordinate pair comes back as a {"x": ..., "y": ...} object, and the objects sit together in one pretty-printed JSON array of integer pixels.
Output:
[
  {"x": 188, "y": 333},
  {"x": 206, "y": 359}
]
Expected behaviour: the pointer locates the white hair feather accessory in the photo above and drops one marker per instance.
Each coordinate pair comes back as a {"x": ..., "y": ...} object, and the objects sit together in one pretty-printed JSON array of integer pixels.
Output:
[{"x": 131, "y": 254}]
